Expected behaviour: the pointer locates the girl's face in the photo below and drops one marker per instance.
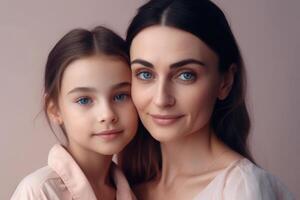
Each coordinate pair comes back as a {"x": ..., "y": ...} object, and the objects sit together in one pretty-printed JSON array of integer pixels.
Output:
[
  {"x": 95, "y": 106},
  {"x": 175, "y": 82}
]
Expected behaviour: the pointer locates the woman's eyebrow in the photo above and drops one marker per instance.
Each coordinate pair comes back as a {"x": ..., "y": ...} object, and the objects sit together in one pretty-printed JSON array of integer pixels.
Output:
[
  {"x": 186, "y": 62},
  {"x": 142, "y": 62},
  {"x": 178, "y": 64}
]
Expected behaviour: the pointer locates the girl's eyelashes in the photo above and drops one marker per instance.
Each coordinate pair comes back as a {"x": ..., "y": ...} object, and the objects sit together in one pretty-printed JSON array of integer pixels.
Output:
[
  {"x": 84, "y": 101},
  {"x": 121, "y": 97}
]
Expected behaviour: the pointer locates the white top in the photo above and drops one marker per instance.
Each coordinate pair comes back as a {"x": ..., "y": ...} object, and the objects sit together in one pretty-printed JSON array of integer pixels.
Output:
[
  {"x": 243, "y": 180},
  {"x": 63, "y": 179}
]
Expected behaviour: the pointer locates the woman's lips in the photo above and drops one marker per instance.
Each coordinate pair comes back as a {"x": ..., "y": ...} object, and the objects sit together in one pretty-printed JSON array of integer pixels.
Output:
[
  {"x": 109, "y": 134},
  {"x": 164, "y": 120}
]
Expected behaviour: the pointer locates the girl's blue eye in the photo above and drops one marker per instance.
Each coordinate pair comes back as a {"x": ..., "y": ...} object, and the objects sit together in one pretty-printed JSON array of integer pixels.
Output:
[
  {"x": 187, "y": 76},
  {"x": 84, "y": 101},
  {"x": 144, "y": 75},
  {"x": 120, "y": 97}
]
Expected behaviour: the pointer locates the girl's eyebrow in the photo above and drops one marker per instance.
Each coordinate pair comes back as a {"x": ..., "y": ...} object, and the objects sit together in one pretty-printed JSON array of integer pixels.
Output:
[
  {"x": 178, "y": 64},
  {"x": 92, "y": 89},
  {"x": 121, "y": 85},
  {"x": 82, "y": 89}
]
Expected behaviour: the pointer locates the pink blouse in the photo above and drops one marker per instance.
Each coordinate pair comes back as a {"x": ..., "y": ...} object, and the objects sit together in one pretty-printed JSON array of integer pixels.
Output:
[
  {"x": 243, "y": 180},
  {"x": 63, "y": 179}
]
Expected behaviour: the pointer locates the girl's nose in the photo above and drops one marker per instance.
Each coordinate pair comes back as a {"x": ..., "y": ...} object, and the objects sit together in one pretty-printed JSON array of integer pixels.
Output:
[{"x": 106, "y": 114}]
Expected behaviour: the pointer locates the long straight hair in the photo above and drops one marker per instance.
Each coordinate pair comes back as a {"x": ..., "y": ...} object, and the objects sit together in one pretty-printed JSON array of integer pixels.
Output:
[{"x": 230, "y": 120}]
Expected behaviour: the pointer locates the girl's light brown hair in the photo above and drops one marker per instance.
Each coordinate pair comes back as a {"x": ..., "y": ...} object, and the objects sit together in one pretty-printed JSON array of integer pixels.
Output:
[{"x": 76, "y": 44}]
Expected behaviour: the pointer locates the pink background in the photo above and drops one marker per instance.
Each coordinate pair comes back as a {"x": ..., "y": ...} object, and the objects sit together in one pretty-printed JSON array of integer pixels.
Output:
[{"x": 267, "y": 31}]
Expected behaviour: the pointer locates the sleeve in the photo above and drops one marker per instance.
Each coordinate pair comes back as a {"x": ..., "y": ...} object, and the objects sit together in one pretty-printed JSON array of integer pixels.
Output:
[
  {"x": 28, "y": 190},
  {"x": 24, "y": 192},
  {"x": 255, "y": 183}
]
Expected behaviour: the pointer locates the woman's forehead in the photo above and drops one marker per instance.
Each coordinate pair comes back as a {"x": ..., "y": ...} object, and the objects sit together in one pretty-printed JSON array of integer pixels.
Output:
[{"x": 169, "y": 45}]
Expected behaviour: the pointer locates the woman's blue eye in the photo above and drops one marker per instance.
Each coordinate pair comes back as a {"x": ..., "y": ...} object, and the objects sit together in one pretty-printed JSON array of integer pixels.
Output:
[
  {"x": 120, "y": 97},
  {"x": 84, "y": 101},
  {"x": 144, "y": 75},
  {"x": 187, "y": 76}
]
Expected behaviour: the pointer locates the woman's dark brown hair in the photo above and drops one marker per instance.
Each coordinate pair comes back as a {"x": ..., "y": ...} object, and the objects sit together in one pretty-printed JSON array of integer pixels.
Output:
[
  {"x": 76, "y": 44},
  {"x": 230, "y": 120}
]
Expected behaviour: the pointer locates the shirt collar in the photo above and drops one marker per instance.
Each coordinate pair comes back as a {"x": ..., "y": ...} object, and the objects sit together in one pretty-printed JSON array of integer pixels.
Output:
[
  {"x": 71, "y": 174},
  {"x": 65, "y": 166}
]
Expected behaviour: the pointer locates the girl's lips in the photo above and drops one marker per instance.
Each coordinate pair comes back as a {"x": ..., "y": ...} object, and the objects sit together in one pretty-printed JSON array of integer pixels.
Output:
[
  {"x": 109, "y": 134},
  {"x": 164, "y": 120}
]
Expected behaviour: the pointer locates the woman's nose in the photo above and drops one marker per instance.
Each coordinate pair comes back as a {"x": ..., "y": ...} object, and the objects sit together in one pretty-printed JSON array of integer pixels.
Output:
[{"x": 163, "y": 96}]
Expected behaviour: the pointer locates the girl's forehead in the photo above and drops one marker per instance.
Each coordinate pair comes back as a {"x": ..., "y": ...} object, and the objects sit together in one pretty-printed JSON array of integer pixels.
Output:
[{"x": 99, "y": 72}]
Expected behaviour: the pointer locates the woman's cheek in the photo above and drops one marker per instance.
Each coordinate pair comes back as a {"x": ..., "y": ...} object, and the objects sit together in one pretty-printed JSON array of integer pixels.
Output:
[
  {"x": 141, "y": 93},
  {"x": 198, "y": 96}
]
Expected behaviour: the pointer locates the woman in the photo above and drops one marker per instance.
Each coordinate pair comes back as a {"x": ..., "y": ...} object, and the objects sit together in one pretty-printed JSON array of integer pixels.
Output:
[{"x": 188, "y": 84}]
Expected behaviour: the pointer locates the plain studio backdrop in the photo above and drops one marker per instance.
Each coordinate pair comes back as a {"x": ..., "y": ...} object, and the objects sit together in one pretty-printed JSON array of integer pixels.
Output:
[{"x": 268, "y": 34}]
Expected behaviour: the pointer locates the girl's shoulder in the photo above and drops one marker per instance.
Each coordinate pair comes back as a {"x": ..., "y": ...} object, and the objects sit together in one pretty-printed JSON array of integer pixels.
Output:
[
  {"x": 37, "y": 184},
  {"x": 245, "y": 180}
]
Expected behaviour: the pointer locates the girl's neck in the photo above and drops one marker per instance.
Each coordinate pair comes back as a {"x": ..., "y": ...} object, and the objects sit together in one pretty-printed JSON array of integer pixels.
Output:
[
  {"x": 189, "y": 155},
  {"x": 95, "y": 166}
]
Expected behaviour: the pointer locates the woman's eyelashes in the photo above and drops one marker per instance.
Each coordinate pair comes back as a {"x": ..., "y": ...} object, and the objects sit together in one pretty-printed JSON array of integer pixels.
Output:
[
  {"x": 183, "y": 76},
  {"x": 144, "y": 75},
  {"x": 187, "y": 76}
]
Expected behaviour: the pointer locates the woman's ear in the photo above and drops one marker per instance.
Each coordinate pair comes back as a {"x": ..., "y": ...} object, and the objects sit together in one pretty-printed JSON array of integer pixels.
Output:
[
  {"x": 54, "y": 113},
  {"x": 227, "y": 82}
]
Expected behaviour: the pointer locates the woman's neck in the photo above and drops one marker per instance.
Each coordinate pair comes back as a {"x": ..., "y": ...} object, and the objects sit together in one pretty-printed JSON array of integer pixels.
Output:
[{"x": 189, "y": 155}]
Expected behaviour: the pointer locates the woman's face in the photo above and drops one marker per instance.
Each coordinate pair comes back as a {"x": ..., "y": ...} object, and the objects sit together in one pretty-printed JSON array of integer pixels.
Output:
[{"x": 175, "y": 82}]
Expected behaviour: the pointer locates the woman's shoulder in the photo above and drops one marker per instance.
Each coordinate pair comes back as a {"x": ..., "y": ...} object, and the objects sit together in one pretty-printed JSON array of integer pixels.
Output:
[
  {"x": 246, "y": 171},
  {"x": 33, "y": 185},
  {"x": 246, "y": 179}
]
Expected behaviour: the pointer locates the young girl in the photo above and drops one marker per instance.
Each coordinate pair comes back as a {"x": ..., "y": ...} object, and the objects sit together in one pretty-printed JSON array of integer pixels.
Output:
[
  {"x": 188, "y": 88},
  {"x": 87, "y": 93}
]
